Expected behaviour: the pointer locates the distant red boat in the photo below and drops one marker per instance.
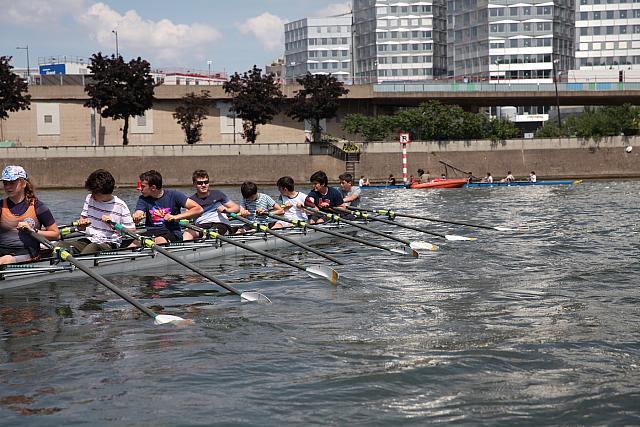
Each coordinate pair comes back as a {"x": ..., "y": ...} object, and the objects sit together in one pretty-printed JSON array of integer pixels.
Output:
[{"x": 440, "y": 183}]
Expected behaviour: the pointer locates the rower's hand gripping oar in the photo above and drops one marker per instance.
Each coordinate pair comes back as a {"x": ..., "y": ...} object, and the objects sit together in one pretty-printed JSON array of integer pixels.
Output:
[
  {"x": 337, "y": 218},
  {"x": 403, "y": 250},
  {"x": 261, "y": 227},
  {"x": 320, "y": 271},
  {"x": 158, "y": 319},
  {"x": 358, "y": 213},
  {"x": 148, "y": 242},
  {"x": 392, "y": 214}
]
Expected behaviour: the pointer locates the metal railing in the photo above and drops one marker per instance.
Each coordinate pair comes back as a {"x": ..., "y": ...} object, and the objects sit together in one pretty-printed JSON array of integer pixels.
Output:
[{"x": 492, "y": 87}]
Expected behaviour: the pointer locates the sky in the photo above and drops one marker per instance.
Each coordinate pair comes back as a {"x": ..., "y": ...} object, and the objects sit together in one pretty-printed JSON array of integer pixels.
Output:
[{"x": 233, "y": 35}]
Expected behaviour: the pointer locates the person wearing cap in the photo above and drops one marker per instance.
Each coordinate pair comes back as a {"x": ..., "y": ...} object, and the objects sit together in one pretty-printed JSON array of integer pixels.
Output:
[{"x": 22, "y": 212}]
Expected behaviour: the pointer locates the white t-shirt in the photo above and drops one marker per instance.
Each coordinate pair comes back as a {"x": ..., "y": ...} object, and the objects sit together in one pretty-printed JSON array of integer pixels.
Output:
[
  {"x": 361, "y": 182},
  {"x": 99, "y": 231},
  {"x": 532, "y": 178},
  {"x": 355, "y": 191},
  {"x": 294, "y": 212}
]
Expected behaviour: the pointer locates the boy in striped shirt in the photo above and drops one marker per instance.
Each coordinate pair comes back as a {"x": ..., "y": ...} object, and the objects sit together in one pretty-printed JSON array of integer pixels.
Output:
[
  {"x": 254, "y": 203},
  {"x": 100, "y": 206}
]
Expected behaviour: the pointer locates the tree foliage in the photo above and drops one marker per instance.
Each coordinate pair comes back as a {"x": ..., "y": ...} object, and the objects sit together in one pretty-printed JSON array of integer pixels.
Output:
[
  {"x": 596, "y": 123},
  {"x": 13, "y": 90},
  {"x": 317, "y": 100},
  {"x": 256, "y": 99},
  {"x": 431, "y": 121},
  {"x": 190, "y": 114},
  {"x": 120, "y": 90}
]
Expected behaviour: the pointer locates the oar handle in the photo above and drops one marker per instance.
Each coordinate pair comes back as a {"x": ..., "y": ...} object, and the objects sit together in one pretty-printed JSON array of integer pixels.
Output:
[{"x": 66, "y": 256}]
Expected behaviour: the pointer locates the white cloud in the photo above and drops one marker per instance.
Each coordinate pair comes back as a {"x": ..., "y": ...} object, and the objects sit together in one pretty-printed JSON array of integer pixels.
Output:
[
  {"x": 268, "y": 29},
  {"x": 335, "y": 9},
  {"x": 162, "y": 39},
  {"x": 37, "y": 11}
]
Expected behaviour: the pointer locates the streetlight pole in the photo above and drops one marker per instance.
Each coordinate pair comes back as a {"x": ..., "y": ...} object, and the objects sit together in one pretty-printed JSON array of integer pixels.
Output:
[
  {"x": 555, "y": 81},
  {"x": 28, "y": 66},
  {"x": 209, "y": 75},
  {"x": 116, "y": 33}
]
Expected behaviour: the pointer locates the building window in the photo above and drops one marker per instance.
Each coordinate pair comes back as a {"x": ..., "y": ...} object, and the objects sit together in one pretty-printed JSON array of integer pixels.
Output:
[{"x": 48, "y": 118}]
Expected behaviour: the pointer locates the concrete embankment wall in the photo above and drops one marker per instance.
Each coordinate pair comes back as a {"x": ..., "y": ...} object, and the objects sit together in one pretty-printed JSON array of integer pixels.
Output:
[{"x": 67, "y": 167}]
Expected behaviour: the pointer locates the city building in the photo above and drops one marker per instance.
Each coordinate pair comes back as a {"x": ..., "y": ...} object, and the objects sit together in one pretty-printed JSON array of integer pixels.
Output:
[
  {"x": 399, "y": 41},
  {"x": 608, "y": 35},
  {"x": 318, "y": 46},
  {"x": 509, "y": 40},
  {"x": 276, "y": 68}
]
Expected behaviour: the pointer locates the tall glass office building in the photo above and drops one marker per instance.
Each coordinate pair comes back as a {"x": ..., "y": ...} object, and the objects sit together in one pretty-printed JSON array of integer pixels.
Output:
[
  {"x": 318, "y": 46},
  {"x": 510, "y": 39},
  {"x": 399, "y": 41},
  {"x": 608, "y": 34}
]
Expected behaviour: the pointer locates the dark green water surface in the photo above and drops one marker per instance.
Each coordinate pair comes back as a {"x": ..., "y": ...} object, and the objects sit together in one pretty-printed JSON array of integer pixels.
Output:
[{"x": 535, "y": 327}]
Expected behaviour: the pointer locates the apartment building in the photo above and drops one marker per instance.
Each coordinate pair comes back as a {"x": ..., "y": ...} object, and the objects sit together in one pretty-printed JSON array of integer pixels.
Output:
[{"x": 318, "y": 46}]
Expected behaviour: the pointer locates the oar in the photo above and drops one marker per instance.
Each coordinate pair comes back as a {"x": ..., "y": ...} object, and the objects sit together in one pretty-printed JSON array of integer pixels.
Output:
[
  {"x": 413, "y": 245},
  {"x": 392, "y": 214},
  {"x": 260, "y": 227},
  {"x": 320, "y": 271},
  {"x": 158, "y": 319},
  {"x": 357, "y": 213},
  {"x": 151, "y": 244},
  {"x": 403, "y": 250}
]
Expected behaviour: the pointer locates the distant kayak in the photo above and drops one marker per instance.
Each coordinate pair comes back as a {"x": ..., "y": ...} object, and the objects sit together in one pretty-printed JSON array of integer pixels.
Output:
[
  {"x": 523, "y": 183},
  {"x": 364, "y": 187}
]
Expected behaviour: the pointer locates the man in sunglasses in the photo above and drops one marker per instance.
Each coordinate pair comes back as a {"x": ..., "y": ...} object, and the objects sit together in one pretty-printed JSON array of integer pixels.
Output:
[{"x": 215, "y": 204}]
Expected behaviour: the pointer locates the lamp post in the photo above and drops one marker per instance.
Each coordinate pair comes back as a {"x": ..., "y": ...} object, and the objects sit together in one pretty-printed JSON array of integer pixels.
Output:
[
  {"x": 209, "y": 65},
  {"x": 116, "y": 33},
  {"x": 293, "y": 71},
  {"x": 28, "y": 66},
  {"x": 555, "y": 81}
]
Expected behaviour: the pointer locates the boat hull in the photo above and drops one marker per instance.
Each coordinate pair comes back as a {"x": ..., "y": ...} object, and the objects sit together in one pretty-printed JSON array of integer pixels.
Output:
[
  {"x": 522, "y": 183},
  {"x": 440, "y": 183},
  {"x": 120, "y": 262}
]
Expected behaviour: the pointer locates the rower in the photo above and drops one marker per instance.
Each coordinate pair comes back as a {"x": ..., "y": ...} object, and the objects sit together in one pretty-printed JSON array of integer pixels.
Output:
[
  {"x": 508, "y": 178},
  {"x": 100, "y": 207},
  {"x": 350, "y": 193},
  {"x": 254, "y": 203},
  {"x": 161, "y": 209},
  {"x": 22, "y": 213},
  {"x": 322, "y": 196},
  {"x": 215, "y": 204},
  {"x": 291, "y": 202}
]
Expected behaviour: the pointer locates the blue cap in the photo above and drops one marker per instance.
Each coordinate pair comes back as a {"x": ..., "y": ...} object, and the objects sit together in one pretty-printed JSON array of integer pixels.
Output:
[{"x": 11, "y": 173}]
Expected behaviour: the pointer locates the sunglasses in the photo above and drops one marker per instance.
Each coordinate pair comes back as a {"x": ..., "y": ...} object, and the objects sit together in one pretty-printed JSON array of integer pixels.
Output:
[{"x": 202, "y": 182}]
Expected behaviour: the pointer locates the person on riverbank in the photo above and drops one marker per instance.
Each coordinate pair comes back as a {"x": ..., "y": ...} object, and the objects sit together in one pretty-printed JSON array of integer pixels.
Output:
[
  {"x": 508, "y": 178},
  {"x": 215, "y": 204},
  {"x": 350, "y": 193},
  {"x": 21, "y": 213},
  {"x": 162, "y": 209},
  {"x": 100, "y": 206},
  {"x": 291, "y": 202},
  {"x": 254, "y": 203},
  {"x": 533, "y": 177}
]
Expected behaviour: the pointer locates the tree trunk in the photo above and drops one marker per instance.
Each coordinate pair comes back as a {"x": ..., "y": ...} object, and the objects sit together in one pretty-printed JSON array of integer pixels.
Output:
[
  {"x": 317, "y": 134},
  {"x": 125, "y": 131}
]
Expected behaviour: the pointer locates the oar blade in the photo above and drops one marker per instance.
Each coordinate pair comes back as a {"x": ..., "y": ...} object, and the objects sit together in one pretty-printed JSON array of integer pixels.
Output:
[
  {"x": 252, "y": 296},
  {"x": 504, "y": 229},
  {"x": 405, "y": 250},
  {"x": 162, "y": 319},
  {"x": 454, "y": 237},
  {"x": 423, "y": 246},
  {"x": 323, "y": 272}
]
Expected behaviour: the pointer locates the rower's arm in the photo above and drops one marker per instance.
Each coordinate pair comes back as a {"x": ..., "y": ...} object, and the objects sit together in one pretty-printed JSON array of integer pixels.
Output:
[
  {"x": 231, "y": 207},
  {"x": 193, "y": 210},
  {"x": 51, "y": 232}
]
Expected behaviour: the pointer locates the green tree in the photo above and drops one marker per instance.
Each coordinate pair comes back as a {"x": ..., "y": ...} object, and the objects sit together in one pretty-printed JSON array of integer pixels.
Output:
[
  {"x": 256, "y": 99},
  {"x": 501, "y": 129},
  {"x": 190, "y": 114},
  {"x": 13, "y": 90},
  {"x": 317, "y": 100},
  {"x": 120, "y": 90}
]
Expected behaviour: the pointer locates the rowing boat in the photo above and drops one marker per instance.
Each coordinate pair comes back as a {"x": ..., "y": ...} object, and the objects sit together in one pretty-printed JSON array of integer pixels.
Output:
[
  {"x": 440, "y": 183},
  {"x": 129, "y": 260},
  {"x": 523, "y": 183}
]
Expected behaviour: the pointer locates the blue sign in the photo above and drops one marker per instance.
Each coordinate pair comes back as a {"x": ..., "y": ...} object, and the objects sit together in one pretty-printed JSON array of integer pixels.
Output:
[{"x": 52, "y": 69}]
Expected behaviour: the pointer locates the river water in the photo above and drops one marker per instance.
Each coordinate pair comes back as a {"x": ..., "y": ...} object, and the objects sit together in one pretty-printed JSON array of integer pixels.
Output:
[{"x": 538, "y": 326}]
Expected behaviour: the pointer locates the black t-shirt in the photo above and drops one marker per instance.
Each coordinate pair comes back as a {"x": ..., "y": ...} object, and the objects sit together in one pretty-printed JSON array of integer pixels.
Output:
[{"x": 333, "y": 197}]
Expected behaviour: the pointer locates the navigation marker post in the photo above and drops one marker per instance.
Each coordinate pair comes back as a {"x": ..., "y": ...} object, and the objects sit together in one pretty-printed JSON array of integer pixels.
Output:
[{"x": 404, "y": 140}]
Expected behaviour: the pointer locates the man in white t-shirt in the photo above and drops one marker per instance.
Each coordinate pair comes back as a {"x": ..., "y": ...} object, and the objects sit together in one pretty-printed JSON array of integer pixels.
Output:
[
  {"x": 291, "y": 202},
  {"x": 532, "y": 177},
  {"x": 350, "y": 192},
  {"x": 99, "y": 207}
]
